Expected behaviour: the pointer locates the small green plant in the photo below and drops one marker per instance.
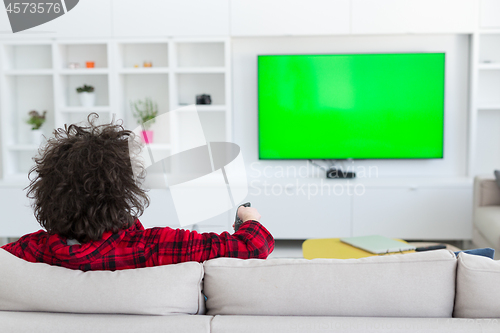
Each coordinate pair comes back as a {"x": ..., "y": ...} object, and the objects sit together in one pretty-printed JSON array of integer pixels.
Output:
[
  {"x": 36, "y": 120},
  {"x": 85, "y": 88},
  {"x": 145, "y": 111}
]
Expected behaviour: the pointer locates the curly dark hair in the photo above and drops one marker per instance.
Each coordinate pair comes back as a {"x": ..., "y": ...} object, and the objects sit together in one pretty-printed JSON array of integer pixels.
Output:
[{"x": 83, "y": 182}]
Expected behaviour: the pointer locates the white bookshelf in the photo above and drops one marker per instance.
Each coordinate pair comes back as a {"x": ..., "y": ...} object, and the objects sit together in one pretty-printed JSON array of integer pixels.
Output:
[
  {"x": 485, "y": 106},
  {"x": 37, "y": 75}
]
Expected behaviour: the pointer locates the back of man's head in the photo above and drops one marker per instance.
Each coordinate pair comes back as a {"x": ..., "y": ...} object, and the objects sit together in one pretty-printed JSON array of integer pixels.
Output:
[{"x": 83, "y": 184}]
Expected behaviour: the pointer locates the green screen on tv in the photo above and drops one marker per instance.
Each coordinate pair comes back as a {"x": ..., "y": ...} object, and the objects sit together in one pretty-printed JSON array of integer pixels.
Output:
[{"x": 359, "y": 106}]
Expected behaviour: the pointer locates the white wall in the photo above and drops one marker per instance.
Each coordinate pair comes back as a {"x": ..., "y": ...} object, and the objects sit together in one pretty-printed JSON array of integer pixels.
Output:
[{"x": 245, "y": 51}]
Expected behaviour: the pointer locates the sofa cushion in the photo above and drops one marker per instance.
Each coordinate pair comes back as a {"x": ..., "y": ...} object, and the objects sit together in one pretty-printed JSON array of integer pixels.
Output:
[
  {"x": 301, "y": 324},
  {"x": 162, "y": 290},
  {"x": 487, "y": 221},
  {"x": 409, "y": 285},
  {"x": 489, "y": 192},
  {"x": 42, "y": 322},
  {"x": 478, "y": 287}
]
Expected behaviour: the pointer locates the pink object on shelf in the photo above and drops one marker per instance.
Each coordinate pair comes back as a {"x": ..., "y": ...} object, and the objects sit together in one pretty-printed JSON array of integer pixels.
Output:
[{"x": 147, "y": 136}]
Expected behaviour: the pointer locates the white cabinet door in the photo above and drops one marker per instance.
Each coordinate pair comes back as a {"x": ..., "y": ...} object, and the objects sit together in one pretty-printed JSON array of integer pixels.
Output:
[
  {"x": 422, "y": 213},
  {"x": 413, "y": 16},
  {"x": 161, "y": 213},
  {"x": 489, "y": 14},
  {"x": 149, "y": 18},
  {"x": 89, "y": 18},
  {"x": 17, "y": 215},
  {"x": 289, "y": 17},
  {"x": 295, "y": 212}
]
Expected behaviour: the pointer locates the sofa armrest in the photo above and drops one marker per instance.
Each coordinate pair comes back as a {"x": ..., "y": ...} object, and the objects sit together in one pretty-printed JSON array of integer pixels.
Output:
[{"x": 486, "y": 192}]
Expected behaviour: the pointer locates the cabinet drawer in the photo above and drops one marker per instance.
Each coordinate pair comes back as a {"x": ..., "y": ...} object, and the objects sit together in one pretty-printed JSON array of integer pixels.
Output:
[
  {"x": 133, "y": 18},
  {"x": 413, "y": 16},
  {"x": 291, "y": 212},
  {"x": 161, "y": 213},
  {"x": 489, "y": 15},
  {"x": 292, "y": 17},
  {"x": 17, "y": 215},
  {"x": 422, "y": 213}
]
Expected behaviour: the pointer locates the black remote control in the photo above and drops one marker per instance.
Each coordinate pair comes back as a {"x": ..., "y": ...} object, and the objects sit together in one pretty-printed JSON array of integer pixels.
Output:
[
  {"x": 429, "y": 248},
  {"x": 237, "y": 220}
]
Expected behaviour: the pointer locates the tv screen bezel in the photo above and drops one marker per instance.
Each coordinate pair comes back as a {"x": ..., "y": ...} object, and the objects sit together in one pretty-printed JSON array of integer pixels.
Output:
[{"x": 358, "y": 158}]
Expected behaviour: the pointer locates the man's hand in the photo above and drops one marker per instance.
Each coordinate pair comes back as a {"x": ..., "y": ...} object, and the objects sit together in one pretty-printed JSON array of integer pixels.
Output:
[{"x": 248, "y": 213}]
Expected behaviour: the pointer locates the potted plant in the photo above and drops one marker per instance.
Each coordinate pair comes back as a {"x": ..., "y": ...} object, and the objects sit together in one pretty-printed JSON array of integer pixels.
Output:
[
  {"x": 145, "y": 112},
  {"x": 36, "y": 121},
  {"x": 87, "y": 95}
]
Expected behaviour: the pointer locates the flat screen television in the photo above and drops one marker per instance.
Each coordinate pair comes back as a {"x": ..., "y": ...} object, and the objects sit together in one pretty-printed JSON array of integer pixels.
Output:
[{"x": 351, "y": 106}]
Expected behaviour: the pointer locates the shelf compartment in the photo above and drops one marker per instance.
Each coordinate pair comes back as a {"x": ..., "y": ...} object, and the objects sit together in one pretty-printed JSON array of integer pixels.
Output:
[
  {"x": 71, "y": 82},
  {"x": 488, "y": 88},
  {"x": 487, "y": 159},
  {"x": 132, "y": 54},
  {"x": 141, "y": 86},
  {"x": 24, "y": 94},
  {"x": 23, "y": 161},
  {"x": 489, "y": 48},
  {"x": 81, "y": 53},
  {"x": 196, "y": 54},
  {"x": 20, "y": 57},
  {"x": 190, "y": 85}
]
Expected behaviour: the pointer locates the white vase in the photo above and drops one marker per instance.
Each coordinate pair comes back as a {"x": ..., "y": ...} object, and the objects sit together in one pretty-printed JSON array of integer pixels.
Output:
[
  {"x": 36, "y": 136},
  {"x": 87, "y": 99}
]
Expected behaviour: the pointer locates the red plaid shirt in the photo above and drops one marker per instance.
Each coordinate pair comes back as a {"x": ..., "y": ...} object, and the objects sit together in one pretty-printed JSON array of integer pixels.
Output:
[{"x": 138, "y": 247}]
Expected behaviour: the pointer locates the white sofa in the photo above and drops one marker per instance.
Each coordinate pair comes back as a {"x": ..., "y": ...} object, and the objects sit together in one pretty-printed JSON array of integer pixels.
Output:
[
  {"x": 419, "y": 292},
  {"x": 486, "y": 214}
]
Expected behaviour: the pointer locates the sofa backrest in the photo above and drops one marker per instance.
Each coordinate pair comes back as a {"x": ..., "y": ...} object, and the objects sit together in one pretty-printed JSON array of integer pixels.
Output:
[
  {"x": 486, "y": 192},
  {"x": 410, "y": 285},
  {"x": 478, "y": 287},
  {"x": 162, "y": 290}
]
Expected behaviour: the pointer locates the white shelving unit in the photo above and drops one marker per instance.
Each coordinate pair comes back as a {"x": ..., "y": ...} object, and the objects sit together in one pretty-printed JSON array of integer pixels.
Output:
[
  {"x": 485, "y": 106},
  {"x": 37, "y": 75}
]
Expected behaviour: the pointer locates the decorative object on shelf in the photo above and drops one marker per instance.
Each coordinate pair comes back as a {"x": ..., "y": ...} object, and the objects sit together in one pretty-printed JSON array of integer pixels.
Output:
[
  {"x": 136, "y": 66},
  {"x": 90, "y": 64},
  {"x": 73, "y": 65},
  {"x": 203, "y": 99},
  {"x": 87, "y": 95},
  {"x": 36, "y": 121},
  {"x": 145, "y": 112},
  {"x": 148, "y": 64}
]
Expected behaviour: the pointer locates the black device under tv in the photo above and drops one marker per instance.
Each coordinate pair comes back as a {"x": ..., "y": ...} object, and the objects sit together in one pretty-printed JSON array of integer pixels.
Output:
[{"x": 336, "y": 173}]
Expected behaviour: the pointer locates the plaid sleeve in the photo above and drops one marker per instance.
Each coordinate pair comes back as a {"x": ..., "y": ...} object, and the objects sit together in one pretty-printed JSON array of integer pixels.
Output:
[
  {"x": 17, "y": 248},
  {"x": 252, "y": 240},
  {"x": 12, "y": 248}
]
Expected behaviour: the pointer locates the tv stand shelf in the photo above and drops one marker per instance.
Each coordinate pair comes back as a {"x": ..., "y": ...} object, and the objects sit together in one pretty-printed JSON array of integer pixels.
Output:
[{"x": 408, "y": 208}]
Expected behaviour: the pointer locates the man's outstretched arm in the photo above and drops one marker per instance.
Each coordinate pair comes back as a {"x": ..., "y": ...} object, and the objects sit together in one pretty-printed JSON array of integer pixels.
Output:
[{"x": 252, "y": 240}]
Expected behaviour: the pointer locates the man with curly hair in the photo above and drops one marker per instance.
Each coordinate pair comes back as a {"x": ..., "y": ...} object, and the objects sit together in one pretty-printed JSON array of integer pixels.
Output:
[{"x": 87, "y": 199}]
